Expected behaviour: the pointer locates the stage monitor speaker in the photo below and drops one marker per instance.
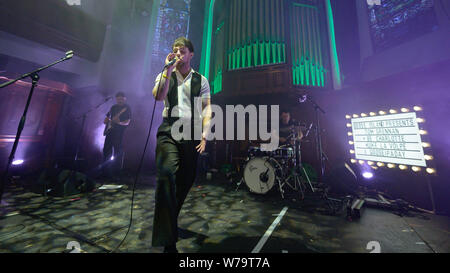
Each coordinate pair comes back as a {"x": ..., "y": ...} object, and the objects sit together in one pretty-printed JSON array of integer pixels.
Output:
[
  {"x": 63, "y": 182},
  {"x": 342, "y": 179}
]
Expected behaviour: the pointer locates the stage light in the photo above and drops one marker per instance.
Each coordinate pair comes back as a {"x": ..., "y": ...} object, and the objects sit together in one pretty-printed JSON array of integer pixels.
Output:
[
  {"x": 352, "y": 151},
  {"x": 112, "y": 158},
  {"x": 417, "y": 108},
  {"x": 431, "y": 170},
  {"x": 353, "y": 160},
  {"x": 404, "y": 110},
  {"x": 423, "y": 132},
  {"x": 367, "y": 175},
  {"x": 355, "y": 116},
  {"x": 372, "y": 114},
  {"x": 382, "y": 113},
  {"x": 351, "y": 142},
  {"x": 428, "y": 157},
  {"x": 402, "y": 167},
  {"x": 416, "y": 169},
  {"x": 349, "y": 133},
  {"x": 420, "y": 120},
  {"x": 391, "y": 166},
  {"x": 361, "y": 162},
  {"x": 370, "y": 163},
  {"x": 371, "y": 3},
  {"x": 348, "y": 117},
  {"x": 392, "y": 111},
  {"x": 426, "y": 144},
  {"x": 380, "y": 164},
  {"x": 17, "y": 162},
  {"x": 374, "y": 167},
  {"x": 73, "y": 2},
  {"x": 363, "y": 115},
  {"x": 349, "y": 125}
]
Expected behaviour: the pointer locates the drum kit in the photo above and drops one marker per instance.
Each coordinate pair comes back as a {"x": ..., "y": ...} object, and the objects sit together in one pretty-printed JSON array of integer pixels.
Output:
[{"x": 265, "y": 171}]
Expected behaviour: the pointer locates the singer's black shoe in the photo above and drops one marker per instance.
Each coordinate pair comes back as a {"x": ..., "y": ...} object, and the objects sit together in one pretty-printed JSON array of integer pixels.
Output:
[{"x": 170, "y": 249}]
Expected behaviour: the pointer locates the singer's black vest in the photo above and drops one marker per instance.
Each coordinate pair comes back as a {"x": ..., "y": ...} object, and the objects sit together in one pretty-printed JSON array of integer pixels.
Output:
[{"x": 172, "y": 97}]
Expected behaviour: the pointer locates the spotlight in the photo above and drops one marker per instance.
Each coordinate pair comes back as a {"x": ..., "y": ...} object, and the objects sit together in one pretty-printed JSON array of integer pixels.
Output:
[
  {"x": 428, "y": 157},
  {"x": 390, "y": 165},
  {"x": 372, "y": 114},
  {"x": 380, "y": 164},
  {"x": 370, "y": 163},
  {"x": 351, "y": 142},
  {"x": 349, "y": 133},
  {"x": 367, "y": 175},
  {"x": 363, "y": 115},
  {"x": 353, "y": 160},
  {"x": 112, "y": 158},
  {"x": 430, "y": 170},
  {"x": 404, "y": 110},
  {"x": 352, "y": 151},
  {"x": 17, "y": 162},
  {"x": 417, "y": 108},
  {"x": 402, "y": 167},
  {"x": 392, "y": 111},
  {"x": 361, "y": 162},
  {"x": 355, "y": 116},
  {"x": 348, "y": 117},
  {"x": 349, "y": 125},
  {"x": 416, "y": 169},
  {"x": 382, "y": 113},
  {"x": 420, "y": 120},
  {"x": 423, "y": 132},
  {"x": 426, "y": 144}
]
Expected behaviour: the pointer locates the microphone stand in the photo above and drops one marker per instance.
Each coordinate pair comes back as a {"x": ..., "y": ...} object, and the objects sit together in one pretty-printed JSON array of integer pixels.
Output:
[
  {"x": 34, "y": 80},
  {"x": 320, "y": 152},
  {"x": 83, "y": 121}
]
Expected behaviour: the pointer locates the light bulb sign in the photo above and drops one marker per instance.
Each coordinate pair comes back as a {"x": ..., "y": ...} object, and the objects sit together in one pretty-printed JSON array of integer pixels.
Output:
[{"x": 389, "y": 138}]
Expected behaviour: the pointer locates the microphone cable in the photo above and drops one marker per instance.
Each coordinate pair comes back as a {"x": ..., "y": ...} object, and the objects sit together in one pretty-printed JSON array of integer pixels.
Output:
[{"x": 140, "y": 165}]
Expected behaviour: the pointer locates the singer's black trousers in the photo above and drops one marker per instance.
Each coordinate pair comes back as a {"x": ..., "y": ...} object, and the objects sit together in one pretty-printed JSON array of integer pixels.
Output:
[{"x": 176, "y": 163}]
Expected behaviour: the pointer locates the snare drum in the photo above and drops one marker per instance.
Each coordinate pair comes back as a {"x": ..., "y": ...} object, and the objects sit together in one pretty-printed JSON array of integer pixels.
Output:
[
  {"x": 283, "y": 152},
  {"x": 255, "y": 151}
]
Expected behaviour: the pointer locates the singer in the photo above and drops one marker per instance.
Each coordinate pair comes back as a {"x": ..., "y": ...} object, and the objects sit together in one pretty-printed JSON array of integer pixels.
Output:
[{"x": 176, "y": 161}]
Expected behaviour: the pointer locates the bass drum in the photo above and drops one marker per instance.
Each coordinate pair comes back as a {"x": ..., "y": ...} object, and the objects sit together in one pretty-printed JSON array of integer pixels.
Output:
[{"x": 261, "y": 173}]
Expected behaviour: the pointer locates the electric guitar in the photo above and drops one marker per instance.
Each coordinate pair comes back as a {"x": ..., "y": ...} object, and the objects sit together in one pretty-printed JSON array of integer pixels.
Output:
[{"x": 109, "y": 124}]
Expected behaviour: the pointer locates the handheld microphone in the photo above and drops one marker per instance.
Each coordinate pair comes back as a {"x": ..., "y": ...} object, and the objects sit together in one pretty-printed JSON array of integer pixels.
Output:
[{"x": 171, "y": 62}]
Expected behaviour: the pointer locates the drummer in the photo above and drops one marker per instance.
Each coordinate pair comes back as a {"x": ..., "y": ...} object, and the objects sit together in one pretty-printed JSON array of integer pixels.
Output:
[{"x": 288, "y": 128}]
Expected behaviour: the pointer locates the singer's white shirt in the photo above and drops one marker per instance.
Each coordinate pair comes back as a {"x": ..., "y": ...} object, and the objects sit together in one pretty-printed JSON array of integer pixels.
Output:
[{"x": 184, "y": 95}]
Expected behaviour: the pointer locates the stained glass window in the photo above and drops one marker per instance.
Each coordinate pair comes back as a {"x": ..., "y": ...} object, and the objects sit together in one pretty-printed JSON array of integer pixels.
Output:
[{"x": 398, "y": 21}]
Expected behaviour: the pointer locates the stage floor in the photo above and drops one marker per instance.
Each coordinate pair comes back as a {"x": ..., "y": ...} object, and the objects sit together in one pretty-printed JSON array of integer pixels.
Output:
[{"x": 214, "y": 219}]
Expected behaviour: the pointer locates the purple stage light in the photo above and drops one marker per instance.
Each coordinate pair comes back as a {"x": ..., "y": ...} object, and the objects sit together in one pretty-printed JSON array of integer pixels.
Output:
[
  {"x": 17, "y": 162},
  {"x": 367, "y": 175}
]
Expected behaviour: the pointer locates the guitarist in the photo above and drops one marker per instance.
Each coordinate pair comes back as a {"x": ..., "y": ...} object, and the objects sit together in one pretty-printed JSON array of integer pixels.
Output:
[{"x": 117, "y": 120}]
